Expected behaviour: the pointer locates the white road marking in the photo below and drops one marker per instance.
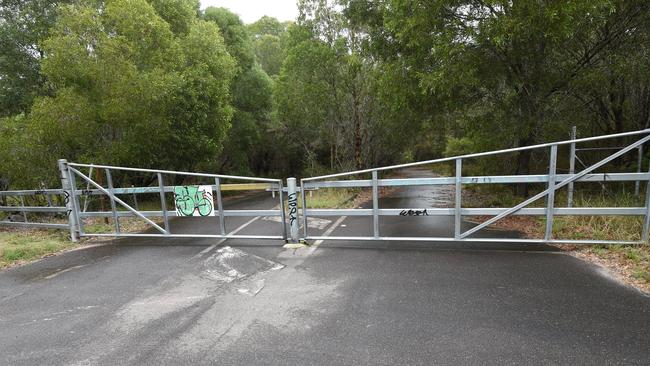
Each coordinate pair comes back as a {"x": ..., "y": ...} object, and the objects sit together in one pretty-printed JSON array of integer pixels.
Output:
[
  {"x": 63, "y": 271},
  {"x": 312, "y": 222},
  {"x": 206, "y": 250},
  {"x": 329, "y": 231}
]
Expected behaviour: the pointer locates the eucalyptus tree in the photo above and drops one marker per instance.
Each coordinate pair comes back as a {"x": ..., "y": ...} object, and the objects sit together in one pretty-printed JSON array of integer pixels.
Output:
[
  {"x": 252, "y": 93},
  {"x": 130, "y": 86}
]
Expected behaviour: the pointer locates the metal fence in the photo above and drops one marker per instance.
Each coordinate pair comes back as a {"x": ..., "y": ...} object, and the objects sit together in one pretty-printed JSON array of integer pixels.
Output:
[
  {"x": 70, "y": 172},
  {"x": 43, "y": 203},
  {"x": 552, "y": 180}
]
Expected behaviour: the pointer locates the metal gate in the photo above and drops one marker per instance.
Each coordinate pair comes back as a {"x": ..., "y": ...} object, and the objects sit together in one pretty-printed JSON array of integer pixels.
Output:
[
  {"x": 204, "y": 199},
  {"x": 552, "y": 179}
]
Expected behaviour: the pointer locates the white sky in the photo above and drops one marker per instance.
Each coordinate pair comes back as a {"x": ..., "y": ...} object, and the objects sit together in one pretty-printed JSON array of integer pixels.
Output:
[{"x": 252, "y": 10}]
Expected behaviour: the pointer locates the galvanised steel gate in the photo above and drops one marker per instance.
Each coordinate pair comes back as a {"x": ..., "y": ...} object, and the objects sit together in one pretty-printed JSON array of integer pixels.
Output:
[
  {"x": 552, "y": 179},
  {"x": 209, "y": 200},
  {"x": 189, "y": 201}
]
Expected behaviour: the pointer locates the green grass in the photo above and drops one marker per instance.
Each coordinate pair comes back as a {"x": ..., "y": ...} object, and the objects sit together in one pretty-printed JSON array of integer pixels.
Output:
[
  {"x": 331, "y": 198},
  {"x": 601, "y": 227},
  {"x": 634, "y": 258},
  {"x": 30, "y": 245}
]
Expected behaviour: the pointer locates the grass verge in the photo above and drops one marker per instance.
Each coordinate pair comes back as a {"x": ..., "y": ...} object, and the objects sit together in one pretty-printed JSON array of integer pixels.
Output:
[{"x": 22, "y": 246}]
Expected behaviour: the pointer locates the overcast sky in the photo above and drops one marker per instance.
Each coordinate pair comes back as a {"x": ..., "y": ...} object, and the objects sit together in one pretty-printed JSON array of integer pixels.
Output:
[{"x": 252, "y": 10}]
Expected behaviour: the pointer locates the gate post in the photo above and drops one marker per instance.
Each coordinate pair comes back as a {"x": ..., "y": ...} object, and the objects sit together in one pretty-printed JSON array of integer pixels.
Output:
[
  {"x": 67, "y": 193},
  {"x": 292, "y": 199},
  {"x": 572, "y": 165}
]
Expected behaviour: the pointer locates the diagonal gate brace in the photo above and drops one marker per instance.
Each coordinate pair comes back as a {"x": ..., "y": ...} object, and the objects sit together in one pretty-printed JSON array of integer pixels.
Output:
[
  {"x": 117, "y": 200},
  {"x": 555, "y": 187}
]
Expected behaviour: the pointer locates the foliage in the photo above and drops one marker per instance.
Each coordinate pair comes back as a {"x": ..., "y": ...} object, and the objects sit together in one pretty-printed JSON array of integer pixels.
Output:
[
  {"x": 126, "y": 88},
  {"x": 349, "y": 84},
  {"x": 23, "y": 23},
  {"x": 246, "y": 145},
  {"x": 267, "y": 26}
]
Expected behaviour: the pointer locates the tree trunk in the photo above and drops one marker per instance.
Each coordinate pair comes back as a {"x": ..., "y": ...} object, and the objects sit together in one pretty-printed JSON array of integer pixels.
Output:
[
  {"x": 357, "y": 131},
  {"x": 523, "y": 166}
]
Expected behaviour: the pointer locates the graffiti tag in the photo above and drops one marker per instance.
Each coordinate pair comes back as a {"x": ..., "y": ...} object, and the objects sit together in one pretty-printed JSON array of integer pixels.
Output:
[
  {"x": 293, "y": 207},
  {"x": 414, "y": 213}
]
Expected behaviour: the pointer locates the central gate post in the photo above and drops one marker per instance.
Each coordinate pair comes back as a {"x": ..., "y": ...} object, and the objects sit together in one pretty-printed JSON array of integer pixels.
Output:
[
  {"x": 68, "y": 197},
  {"x": 292, "y": 199}
]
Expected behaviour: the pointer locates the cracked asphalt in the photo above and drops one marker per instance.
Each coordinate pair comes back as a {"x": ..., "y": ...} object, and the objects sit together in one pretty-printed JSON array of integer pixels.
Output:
[{"x": 197, "y": 302}]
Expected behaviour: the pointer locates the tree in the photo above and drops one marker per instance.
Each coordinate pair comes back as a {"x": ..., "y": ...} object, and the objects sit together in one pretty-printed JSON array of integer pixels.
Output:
[
  {"x": 235, "y": 35},
  {"x": 267, "y": 25},
  {"x": 127, "y": 90},
  {"x": 252, "y": 97},
  {"x": 327, "y": 92},
  {"x": 23, "y": 24},
  {"x": 507, "y": 69}
]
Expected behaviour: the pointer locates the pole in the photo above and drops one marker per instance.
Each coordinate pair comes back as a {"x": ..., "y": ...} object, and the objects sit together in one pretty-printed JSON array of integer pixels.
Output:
[
  {"x": 457, "y": 216},
  {"x": 163, "y": 203},
  {"x": 550, "y": 199},
  {"x": 292, "y": 198},
  {"x": 375, "y": 205},
  {"x": 67, "y": 191},
  {"x": 637, "y": 184},
  {"x": 572, "y": 166}
]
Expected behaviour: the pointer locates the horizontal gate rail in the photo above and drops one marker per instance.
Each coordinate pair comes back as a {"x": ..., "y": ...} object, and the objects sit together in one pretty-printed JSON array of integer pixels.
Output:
[
  {"x": 226, "y": 213},
  {"x": 120, "y": 209},
  {"x": 169, "y": 189},
  {"x": 33, "y": 192},
  {"x": 553, "y": 181},
  {"x": 497, "y": 179},
  {"x": 23, "y": 208},
  {"x": 561, "y": 211}
]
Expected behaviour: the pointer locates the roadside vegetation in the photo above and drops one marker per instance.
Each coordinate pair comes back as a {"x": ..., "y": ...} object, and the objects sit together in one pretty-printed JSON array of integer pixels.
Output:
[
  {"x": 331, "y": 198},
  {"x": 17, "y": 246},
  {"x": 630, "y": 262}
]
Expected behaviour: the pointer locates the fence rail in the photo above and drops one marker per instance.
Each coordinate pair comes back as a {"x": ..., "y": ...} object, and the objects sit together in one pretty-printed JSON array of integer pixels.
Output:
[
  {"x": 71, "y": 195},
  {"x": 552, "y": 180},
  {"x": 120, "y": 209},
  {"x": 22, "y": 209}
]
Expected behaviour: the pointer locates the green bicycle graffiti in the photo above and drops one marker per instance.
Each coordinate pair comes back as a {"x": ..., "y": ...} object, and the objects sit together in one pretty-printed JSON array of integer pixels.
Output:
[{"x": 191, "y": 199}]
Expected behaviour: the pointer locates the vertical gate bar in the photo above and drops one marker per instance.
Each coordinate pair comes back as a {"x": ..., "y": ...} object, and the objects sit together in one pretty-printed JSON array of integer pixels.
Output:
[
  {"x": 646, "y": 221},
  {"x": 75, "y": 203},
  {"x": 572, "y": 166},
  {"x": 550, "y": 199},
  {"x": 283, "y": 214},
  {"x": 222, "y": 222},
  {"x": 457, "y": 216},
  {"x": 65, "y": 185},
  {"x": 637, "y": 184},
  {"x": 375, "y": 205},
  {"x": 304, "y": 210},
  {"x": 22, "y": 204},
  {"x": 116, "y": 219},
  {"x": 292, "y": 199},
  {"x": 90, "y": 174},
  {"x": 163, "y": 203},
  {"x": 135, "y": 199}
]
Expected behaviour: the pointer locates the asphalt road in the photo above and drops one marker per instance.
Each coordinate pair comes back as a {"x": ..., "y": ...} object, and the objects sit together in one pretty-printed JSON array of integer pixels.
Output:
[{"x": 201, "y": 302}]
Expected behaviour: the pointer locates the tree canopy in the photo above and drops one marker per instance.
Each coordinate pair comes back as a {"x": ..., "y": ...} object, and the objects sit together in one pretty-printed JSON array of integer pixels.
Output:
[{"x": 349, "y": 84}]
